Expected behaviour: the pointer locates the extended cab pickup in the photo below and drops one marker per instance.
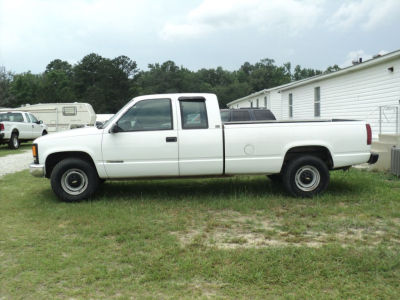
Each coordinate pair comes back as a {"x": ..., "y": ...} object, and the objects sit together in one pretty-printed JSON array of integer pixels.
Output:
[
  {"x": 17, "y": 126},
  {"x": 181, "y": 135}
]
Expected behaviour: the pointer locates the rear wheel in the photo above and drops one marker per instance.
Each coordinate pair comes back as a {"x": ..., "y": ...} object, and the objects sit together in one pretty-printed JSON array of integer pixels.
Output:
[
  {"x": 306, "y": 176},
  {"x": 74, "y": 179},
  {"x": 13, "y": 142}
]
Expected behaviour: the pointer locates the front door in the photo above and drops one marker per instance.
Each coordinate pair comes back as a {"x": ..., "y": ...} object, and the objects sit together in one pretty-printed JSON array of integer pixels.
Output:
[
  {"x": 145, "y": 144},
  {"x": 36, "y": 128}
]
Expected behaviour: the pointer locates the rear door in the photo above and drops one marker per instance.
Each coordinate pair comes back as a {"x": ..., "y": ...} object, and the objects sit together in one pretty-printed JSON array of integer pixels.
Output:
[{"x": 200, "y": 138}]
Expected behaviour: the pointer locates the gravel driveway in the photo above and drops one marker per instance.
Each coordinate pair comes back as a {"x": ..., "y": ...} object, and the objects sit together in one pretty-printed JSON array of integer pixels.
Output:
[{"x": 15, "y": 162}]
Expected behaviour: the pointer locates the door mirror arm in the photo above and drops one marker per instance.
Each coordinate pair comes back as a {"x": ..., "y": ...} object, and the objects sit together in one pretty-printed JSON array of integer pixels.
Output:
[{"x": 114, "y": 128}]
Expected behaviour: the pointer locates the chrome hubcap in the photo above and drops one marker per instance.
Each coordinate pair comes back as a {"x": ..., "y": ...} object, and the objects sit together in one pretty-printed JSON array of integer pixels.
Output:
[
  {"x": 74, "y": 181},
  {"x": 15, "y": 142},
  {"x": 307, "y": 178}
]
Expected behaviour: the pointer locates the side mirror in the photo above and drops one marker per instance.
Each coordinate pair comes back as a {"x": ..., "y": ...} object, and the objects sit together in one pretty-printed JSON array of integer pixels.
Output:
[
  {"x": 40, "y": 122},
  {"x": 114, "y": 128}
]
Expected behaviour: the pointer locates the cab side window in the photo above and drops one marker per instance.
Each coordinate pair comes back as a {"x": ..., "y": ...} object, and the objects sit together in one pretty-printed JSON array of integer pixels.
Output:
[
  {"x": 17, "y": 117},
  {"x": 193, "y": 114},
  {"x": 147, "y": 115},
  {"x": 33, "y": 119}
]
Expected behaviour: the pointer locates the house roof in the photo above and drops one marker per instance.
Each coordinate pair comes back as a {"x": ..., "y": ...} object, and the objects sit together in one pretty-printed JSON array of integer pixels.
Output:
[{"x": 353, "y": 68}]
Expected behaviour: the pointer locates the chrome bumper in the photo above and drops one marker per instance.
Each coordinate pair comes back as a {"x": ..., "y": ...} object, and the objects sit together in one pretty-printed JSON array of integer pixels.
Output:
[{"x": 36, "y": 170}]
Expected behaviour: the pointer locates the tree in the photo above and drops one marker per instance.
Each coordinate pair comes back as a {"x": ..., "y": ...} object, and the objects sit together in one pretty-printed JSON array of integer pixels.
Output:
[
  {"x": 6, "y": 98},
  {"x": 300, "y": 73},
  {"x": 57, "y": 84},
  {"x": 26, "y": 88},
  {"x": 331, "y": 69},
  {"x": 104, "y": 83}
]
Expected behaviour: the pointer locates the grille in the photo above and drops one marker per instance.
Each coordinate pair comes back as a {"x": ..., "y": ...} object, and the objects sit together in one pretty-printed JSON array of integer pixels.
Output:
[{"x": 395, "y": 165}]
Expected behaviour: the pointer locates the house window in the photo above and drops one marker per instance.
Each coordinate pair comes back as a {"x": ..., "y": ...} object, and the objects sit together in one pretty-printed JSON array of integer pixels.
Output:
[
  {"x": 265, "y": 102},
  {"x": 317, "y": 102},
  {"x": 290, "y": 105},
  {"x": 69, "y": 111},
  {"x": 251, "y": 104},
  {"x": 258, "y": 104}
]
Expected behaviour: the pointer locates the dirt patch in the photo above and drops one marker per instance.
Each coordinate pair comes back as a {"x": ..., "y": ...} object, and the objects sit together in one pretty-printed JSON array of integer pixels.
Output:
[{"x": 231, "y": 230}]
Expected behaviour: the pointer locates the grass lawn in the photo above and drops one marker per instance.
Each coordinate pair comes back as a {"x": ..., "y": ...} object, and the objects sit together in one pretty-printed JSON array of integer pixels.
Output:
[
  {"x": 4, "y": 150},
  {"x": 236, "y": 237}
]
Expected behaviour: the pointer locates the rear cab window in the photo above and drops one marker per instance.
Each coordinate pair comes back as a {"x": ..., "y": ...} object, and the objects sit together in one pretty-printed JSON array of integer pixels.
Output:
[{"x": 225, "y": 115}]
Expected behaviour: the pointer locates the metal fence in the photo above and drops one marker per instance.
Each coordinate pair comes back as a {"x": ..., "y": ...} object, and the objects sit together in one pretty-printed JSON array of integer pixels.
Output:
[{"x": 389, "y": 117}]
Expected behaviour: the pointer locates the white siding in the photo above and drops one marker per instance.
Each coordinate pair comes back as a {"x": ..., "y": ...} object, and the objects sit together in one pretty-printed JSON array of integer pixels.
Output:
[
  {"x": 275, "y": 103},
  {"x": 355, "y": 95}
]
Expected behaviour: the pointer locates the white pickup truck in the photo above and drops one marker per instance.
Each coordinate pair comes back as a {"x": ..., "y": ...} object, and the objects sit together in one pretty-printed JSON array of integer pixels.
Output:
[
  {"x": 18, "y": 126},
  {"x": 181, "y": 135}
]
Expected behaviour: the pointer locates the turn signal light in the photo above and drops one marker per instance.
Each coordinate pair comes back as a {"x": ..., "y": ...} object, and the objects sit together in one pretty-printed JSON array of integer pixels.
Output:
[{"x": 35, "y": 153}]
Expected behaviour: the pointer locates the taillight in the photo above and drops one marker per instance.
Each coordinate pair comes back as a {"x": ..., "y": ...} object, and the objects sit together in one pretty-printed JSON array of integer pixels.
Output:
[
  {"x": 1, "y": 126},
  {"x": 369, "y": 134}
]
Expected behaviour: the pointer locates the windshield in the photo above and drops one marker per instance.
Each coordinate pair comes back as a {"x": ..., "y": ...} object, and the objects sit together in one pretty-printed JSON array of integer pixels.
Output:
[{"x": 105, "y": 124}]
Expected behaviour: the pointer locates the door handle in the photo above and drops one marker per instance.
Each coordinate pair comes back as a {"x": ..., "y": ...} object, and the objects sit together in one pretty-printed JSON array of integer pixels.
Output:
[{"x": 171, "y": 139}]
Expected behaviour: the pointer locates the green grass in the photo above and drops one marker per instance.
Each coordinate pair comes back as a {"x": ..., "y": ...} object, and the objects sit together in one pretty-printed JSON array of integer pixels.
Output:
[
  {"x": 4, "y": 150},
  {"x": 237, "y": 237}
]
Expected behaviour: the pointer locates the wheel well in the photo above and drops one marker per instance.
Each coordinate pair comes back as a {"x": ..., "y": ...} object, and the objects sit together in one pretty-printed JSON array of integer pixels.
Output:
[
  {"x": 55, "y": 158},
  {"x": 319, "y": 151},
  {"x": 15, "y": 131}
]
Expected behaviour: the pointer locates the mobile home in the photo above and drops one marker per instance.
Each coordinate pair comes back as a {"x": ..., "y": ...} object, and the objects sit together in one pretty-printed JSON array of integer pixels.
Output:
[
  {"x": 62, "y": 116},
  {"x": 368, "y": 90}
]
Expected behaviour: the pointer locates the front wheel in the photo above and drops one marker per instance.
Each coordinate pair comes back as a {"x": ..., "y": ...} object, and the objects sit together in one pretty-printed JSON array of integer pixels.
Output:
[
  {"x": 74, "y": 179},
  {"x": 306, "y": 176}
]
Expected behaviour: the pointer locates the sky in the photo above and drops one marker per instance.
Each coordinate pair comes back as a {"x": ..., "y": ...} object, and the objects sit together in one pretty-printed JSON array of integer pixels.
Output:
[{"x": 197, "y": 33}]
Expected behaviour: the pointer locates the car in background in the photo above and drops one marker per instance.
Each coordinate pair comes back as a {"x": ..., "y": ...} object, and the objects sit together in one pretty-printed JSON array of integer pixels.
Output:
[
  {"x": 246, "y": 114},
  {"x": 18, "y": 126}
]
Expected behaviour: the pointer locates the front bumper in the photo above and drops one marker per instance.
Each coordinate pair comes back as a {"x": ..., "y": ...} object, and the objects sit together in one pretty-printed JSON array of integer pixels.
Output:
[
  {"x": 36, "y": 170},
  {"x": 373, "y": 158}
]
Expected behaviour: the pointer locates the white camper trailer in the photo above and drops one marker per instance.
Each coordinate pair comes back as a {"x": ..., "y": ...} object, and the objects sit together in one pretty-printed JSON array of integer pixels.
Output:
[{"x": 62, "y": 116}]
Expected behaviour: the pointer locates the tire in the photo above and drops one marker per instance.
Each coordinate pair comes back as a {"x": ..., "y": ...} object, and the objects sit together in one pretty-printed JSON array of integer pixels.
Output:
[
  {"x": 74, "y": 179},
  {"x": 275, "y": 178},
  {"x": 306, "y": 176},
  {"x": 13, "y": 143},
  {"x": 44, "y": 132}
]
